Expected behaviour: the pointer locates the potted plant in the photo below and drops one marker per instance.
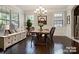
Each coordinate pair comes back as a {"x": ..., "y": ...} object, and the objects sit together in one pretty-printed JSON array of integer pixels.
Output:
[{"x": 29, "y": 24}]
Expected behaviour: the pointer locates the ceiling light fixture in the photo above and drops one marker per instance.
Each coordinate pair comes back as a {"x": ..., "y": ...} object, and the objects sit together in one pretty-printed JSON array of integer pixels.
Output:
[{"x": 40, "y": 11}]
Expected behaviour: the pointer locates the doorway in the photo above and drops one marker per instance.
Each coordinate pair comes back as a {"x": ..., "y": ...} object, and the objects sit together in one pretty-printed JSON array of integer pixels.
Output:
[{"x": 76, "y": 22}]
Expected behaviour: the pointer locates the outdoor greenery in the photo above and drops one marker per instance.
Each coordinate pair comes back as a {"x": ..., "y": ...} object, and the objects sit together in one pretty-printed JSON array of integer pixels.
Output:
[
  {"x": 5, "y": 19},
  {"x": 29, "y": 24},
  {"x": 1, "y": 23}
]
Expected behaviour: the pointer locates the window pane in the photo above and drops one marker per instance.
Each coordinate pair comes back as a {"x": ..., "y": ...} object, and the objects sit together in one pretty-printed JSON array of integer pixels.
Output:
[
  {"x": 3, "y": 16},
  {"x": 8, "y": 17},
  {"x": 1, "y": 23},
  {"x": 58, "y": 20},
  {"x": 31, "y": 17},
  {"x": 4, "y": 22},
  {"x": 15, "y": 19},
  {"x": 58, "y": 15},
  {"x": 14, "y": 16}
]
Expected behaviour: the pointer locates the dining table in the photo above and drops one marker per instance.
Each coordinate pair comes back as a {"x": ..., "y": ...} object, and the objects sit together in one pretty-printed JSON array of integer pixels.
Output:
[
  {"x": 44, "y": 31},
  {"x": 41, "y": 33}
]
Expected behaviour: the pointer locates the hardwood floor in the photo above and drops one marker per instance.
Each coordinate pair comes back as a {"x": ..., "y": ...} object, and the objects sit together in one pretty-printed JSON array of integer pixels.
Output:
[{"x": 25, "y": 47}]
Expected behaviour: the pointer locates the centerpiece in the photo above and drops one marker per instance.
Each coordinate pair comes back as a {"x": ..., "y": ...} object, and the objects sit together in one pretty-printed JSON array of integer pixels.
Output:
[{"x": 41, "y": 25}]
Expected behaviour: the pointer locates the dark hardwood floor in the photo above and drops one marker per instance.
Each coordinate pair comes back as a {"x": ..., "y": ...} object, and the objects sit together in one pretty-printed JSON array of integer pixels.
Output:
[{"x": 25, "y": 47}]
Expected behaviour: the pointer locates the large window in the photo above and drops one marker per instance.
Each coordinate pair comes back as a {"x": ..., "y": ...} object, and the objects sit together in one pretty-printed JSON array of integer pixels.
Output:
[
  {"x": 4, "y": 19},
  {"x": 15, "y": 19},
  {"x": 58, "y": 20},
  {"x": 8, "y": 18}
]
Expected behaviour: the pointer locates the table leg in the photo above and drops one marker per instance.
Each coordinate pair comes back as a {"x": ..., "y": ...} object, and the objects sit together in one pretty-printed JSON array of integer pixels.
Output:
[{"x": 45, "y": 37}]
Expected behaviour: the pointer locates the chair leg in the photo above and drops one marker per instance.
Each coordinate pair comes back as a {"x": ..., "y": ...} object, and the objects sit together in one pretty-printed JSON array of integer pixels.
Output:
[
  {"x": 31, "y": 41},
  {"x": 45, "y": 38},
  {"x": 52, "y": 42}
]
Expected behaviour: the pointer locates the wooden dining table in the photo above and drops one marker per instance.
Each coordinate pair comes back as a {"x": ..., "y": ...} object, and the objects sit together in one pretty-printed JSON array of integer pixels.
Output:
[
  {"x": 44, "y": 31},
  {"x": 39, "y": 33}
]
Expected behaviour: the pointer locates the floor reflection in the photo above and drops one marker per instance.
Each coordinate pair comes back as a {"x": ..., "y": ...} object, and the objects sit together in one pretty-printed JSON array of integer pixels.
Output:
[
  {"x": 30, "y": 48},
  {"x": 58, "y": 48}
]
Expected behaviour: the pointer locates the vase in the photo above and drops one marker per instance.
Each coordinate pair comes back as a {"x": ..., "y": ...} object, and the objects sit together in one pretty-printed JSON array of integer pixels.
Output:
[{"x": 41, "y": 28}]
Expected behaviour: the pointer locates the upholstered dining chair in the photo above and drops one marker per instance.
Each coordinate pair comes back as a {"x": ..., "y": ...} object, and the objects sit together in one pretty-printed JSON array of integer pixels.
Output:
[
  {"x": 33, "y": 35},
  {"x": 50, "y": 36}
]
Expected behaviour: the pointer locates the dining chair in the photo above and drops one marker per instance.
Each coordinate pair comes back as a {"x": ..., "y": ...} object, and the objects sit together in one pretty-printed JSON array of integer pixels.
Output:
[
  {"x": 50, "y": 35},
  {"x": 33, "y": 35}
]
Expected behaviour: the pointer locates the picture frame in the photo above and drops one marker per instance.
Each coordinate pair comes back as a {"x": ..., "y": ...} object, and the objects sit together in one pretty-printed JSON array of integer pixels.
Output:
[
  {"x": 68, "y": 19},
  {"x": 42, "y": 19}
]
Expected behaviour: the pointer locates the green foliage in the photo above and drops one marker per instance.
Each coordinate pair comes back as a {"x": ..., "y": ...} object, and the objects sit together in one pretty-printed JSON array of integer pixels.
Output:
[
  {"x": 1, "y": 23},
  {"x": 29, "y": 23}
]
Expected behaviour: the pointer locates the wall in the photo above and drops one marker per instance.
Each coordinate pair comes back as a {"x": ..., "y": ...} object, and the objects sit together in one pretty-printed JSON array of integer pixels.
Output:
[{"x": 70, "y": 28}]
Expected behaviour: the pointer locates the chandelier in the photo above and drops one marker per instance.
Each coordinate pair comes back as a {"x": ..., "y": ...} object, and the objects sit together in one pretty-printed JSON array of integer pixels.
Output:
[{"x": 40, "y": 11}]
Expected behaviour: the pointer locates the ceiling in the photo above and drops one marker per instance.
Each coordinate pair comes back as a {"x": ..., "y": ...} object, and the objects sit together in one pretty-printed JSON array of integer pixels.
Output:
[{"x": 48, "y": 7}]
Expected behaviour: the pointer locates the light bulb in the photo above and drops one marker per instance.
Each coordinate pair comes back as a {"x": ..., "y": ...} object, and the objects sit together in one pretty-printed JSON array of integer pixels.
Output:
[
  {"x": 40, "y": 7},
  {"x": 37, "y": 9},
  {"x": 45, "y": 11}
]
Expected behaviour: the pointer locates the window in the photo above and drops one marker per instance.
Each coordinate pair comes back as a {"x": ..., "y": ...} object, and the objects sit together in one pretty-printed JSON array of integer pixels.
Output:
[
  {"x": 58, "y": 20},
  {"x": 4, "y": 19},
  {"x": 8, "y": 18},
  {"x": 15, "y": 19},
  {"x": 31, "y": 17}
]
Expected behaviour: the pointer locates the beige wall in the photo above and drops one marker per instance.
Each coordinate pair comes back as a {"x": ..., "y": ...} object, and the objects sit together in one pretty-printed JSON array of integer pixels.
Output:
[{"x": 69, "y": 28}]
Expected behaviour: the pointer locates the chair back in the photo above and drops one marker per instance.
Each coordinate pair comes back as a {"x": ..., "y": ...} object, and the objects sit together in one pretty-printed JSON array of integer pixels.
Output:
[
  {"x": 52, "y": 32},
  {"x": 32, "y": 28}
]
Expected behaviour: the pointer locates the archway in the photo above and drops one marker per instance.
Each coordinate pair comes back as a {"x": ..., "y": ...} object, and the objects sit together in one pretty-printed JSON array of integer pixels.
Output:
[{"x": 76, "y": 22}]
